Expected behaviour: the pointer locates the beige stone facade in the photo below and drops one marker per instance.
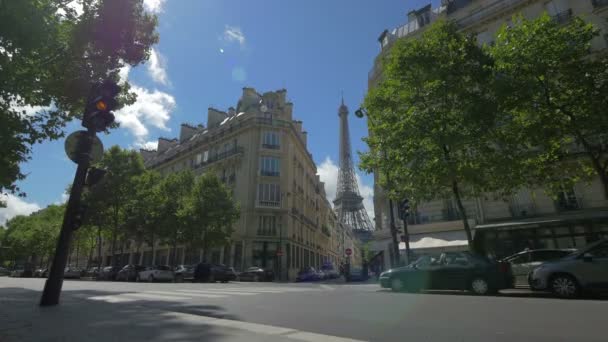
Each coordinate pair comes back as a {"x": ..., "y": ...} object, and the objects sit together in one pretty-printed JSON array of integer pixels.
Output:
[
  {"x": 436, "y": 224},
  {"x": 259, "y": 150}
]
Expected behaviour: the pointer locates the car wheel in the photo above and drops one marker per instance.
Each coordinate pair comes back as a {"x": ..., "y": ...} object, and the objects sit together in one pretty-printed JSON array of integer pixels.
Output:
[
  {"x": 151, "y": 278},
  {"x": 564, "y": 286},
  {"x": 480, "y": 286},
  {"x": 396, "y": 284}
]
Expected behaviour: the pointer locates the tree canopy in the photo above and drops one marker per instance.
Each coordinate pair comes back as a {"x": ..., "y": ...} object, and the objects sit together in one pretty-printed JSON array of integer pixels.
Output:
[{"x": 50, "y": 55}]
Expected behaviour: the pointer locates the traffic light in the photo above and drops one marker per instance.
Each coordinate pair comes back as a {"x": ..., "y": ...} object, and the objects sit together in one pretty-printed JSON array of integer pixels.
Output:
[
  {"x": 404, "y": 209},
  {"x": 98, "y": 114}
]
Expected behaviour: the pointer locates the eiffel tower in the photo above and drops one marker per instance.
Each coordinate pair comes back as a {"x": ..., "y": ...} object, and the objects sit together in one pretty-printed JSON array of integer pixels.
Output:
[{"x": 348, "y": 202}]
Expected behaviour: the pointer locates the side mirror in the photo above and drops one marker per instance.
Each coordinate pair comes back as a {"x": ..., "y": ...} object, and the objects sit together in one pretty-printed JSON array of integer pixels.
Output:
[{"x": 587, "y": 257}]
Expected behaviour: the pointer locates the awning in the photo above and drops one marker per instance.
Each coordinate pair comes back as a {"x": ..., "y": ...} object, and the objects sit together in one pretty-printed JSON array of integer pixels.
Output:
[{"x": 456, "y": 238}]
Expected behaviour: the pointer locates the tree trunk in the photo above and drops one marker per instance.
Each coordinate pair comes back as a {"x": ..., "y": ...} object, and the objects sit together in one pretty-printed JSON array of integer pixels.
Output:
[
  {"x": 396, "y": 257},
  {"x": 153, "y": 256},
  {"x": 77, "y": 251},
  {"x": 463, "y": 213}
]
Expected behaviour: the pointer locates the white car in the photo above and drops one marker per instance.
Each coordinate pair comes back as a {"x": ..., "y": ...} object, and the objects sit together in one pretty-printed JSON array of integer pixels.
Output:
[{"x": 154, "y": 273}]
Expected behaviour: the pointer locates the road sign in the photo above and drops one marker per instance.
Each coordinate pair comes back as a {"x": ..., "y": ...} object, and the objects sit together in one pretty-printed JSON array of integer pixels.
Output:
[
  {"x": 73, "y": 141},
  {"x": 348, "y": 251}
]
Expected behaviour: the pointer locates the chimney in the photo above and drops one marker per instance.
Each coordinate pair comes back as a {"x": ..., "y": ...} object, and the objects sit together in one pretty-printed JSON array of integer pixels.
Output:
[
  {"x": 215, "y": 117},
  {"x": 164, "y": 144},
  {"x": 231, "y": 111},
  {"x": 147, "y": 154},
  {"x": 186, "y": 132},
  {"x": 298, "y": 126},
  {"x": 304, "y": 137},
  {"x": 288, "y": 110}
]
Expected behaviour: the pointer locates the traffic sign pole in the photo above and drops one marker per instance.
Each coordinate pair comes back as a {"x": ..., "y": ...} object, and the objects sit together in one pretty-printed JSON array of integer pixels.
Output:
[{"x": 52, "y": 286}]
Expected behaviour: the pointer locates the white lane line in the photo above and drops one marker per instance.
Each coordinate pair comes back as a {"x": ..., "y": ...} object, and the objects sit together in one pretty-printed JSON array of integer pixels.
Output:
[
  {"x": 154, "y": 296},
  {"x": 112, "y": 299},
  {"x": 257, "y": 328},
  {"x": 171, "y": 293},
  {"x": 212, "y": 292},
  {"x": 327, "y": 287}
]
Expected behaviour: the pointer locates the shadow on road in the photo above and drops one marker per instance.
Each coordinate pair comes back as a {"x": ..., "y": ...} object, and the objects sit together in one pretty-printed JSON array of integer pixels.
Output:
[{"x": 78, "y": 318}]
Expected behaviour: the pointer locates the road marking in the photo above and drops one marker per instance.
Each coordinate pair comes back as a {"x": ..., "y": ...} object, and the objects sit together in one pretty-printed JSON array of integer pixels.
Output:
[
  {"x": 219, "y": 292},
  {"x": 257, "y": 328},
  {"x": 171, "y": 293},
  {"x": 326, "y": 287},
  {"x": 112, "y": 299},
  {"x": 154, "y": 296}
]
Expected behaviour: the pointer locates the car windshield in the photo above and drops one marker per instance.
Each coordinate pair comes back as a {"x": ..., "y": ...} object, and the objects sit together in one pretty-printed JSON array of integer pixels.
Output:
[{"x": 392, "y": 155}]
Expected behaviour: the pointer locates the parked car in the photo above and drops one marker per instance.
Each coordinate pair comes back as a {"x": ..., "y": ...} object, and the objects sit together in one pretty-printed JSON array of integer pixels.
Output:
[
  {"x": 108, "y": 273},
  {"x": 184, "y": 273},
  {"x": 92, "y": 272},
  {"x": 308, "y": 274},
  {"x": 21, "y": 273},
  {"x": 41, "y": 272},
  {"x": 450, "y": 271},
  {"x": 206, "y": 272},
  {"x": 129, "y": 272},
  {"x": 572, "y": 275},
  {"x": 357, "y": 274},
  {"x": 72, "y": 273},
  {"x": 524, "y": 262},
  {"x": 256, "y": 274},
  {"x": 155, "y": 273},
  {"x": 4, "y": 271},
  {"x": 330, "y": 272}
]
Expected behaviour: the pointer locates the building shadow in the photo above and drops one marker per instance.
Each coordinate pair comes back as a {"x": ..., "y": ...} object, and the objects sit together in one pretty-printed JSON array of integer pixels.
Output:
[
  {"x": 80, "y": 318},
  {"x": 502, "y": 294}
]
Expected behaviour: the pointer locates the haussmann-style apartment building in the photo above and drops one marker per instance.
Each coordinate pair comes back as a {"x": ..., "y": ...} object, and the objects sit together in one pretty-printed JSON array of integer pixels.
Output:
[
  {"x": 259, "y": 151},
  {"x": 530, "y": 218}
]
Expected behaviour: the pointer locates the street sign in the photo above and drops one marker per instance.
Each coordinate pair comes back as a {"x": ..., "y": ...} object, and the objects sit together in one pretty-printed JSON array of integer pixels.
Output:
[
  {"x": 73, "y": 141},
  {"x": 348, "y": 251}
]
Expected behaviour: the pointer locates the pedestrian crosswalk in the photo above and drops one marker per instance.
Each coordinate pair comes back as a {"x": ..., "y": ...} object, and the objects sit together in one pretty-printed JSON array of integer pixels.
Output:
[{"x": 192, "y": 293}]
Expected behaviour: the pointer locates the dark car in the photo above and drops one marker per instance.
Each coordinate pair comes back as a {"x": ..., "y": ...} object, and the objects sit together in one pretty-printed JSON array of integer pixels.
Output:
[
  {"x": 108, "y": 273},
  {"x": 91, "y": 272},
  {"x": 72, "y": 273},
  {"x": 206, "y": 272},
  {"x": 41, "y": 272},
  {"x": 4, "y": 271},
  {"x": 330, "y": 272},
  {"x": 308, "y": 274},
  {"x": 184, "y": 273},
  {"x": 21, "y": 272},
  {"x": 450, "y": 271},
  {"x": 524, "y": 262},
  {"x": 357, "y": 274},
  {"x": 256, "y": 274},
  {"x": 129, "y": 272}
]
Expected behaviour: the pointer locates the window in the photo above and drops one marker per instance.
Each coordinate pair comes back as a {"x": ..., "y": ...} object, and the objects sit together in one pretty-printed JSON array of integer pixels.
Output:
[
  {"x": 270, "y": 140},
  {"x": 548, "y": 255},
  {"x": 205, "y": 156},
  {"x": 600, "y": 251},
  {"x": 520, "y": 259},
  {"x": 270, "y": 166},
  {"x": 199, "y": 159},
  {"x": 267, "y": 226},
  {"x": 269, "y": 195}
]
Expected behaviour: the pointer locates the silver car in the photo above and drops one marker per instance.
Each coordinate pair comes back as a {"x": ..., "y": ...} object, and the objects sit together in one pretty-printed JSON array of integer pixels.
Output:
[
  {"x": 524, "y": 262},
  {"x": 568, "y": 277}
]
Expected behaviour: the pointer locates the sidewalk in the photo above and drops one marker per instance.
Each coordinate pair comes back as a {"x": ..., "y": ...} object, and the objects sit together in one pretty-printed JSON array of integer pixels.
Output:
[{"x": 79, "y": 319}]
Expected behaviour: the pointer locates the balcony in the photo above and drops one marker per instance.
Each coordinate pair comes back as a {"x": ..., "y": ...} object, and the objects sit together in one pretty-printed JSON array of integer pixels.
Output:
[
  {"x": 325, "y": 230},
  {"x": 483, "y": 13},
  {"x": 599, "y": 3},
  {"x": 220, "y": 156},
  {"x": 269, "y": 204},
  {"x": 271, "y": 146},
  {"x": 562, "y": 17},
  {"x": 270, "y": 173}
]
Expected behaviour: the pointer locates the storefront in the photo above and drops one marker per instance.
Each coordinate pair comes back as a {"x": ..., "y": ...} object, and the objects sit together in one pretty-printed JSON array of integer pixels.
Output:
[{"x": 563, "y": 231}]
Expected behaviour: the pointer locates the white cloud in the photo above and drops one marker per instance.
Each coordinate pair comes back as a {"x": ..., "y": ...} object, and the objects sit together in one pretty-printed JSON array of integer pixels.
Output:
[
  {"x": 76, "y": 6},
  {"x": 123, "y": 74},
  {"x": 148, "y": 145},
  {"x": 157, "y": 67},
  {"x": 328, "y": 173},
  {"x": 154, "y": 6},
  {"x": 234, "y": 34},
  {"x": 152, "y": 108},
  {"x": 15, "y": 206}
]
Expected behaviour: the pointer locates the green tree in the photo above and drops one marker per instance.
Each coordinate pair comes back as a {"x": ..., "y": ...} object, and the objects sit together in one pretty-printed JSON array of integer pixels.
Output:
[
  {"x": 556, "y": 95},
  {"x": 433, "y": 123},
  {"x": 50, "y": 56},
  {"x": 173, "y": 227},
  {"x": 108, "y": 201},
  {"x": 209, "y": 213}
]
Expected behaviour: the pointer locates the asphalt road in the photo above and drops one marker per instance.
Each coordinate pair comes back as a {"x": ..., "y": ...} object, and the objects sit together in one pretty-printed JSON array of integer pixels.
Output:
[{"x": 305, "y": 312}]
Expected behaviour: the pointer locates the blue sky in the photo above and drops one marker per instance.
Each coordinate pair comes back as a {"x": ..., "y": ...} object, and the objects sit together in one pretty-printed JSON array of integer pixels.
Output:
[{"x": 210, "y": 49}]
